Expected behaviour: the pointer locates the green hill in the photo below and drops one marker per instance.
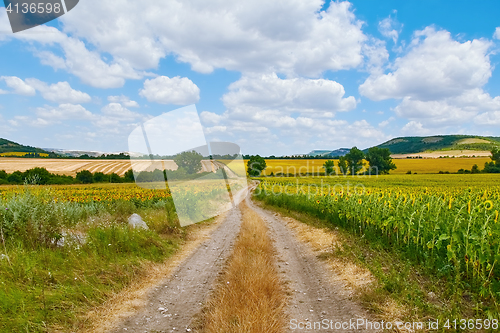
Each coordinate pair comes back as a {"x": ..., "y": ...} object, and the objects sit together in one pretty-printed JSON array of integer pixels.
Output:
[
  {"x": 415, "y": 144},
  {"x": 7, "y": 146}
]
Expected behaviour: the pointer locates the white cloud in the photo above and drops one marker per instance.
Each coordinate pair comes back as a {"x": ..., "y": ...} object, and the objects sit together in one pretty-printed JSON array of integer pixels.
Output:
[
  {"x": 491, "y": 118},
  {"x": 292, "y": 37},
  {"x": 434, "y": 113},
  {"x": 124, "y": 100},
  {"x": 473, "y": 105},
  {"x": 18, "y": 121},
  {"x": 274, "y": 132},
  {"x": 60, "y": 92},
  {"x": 286, "y": 116},
  {"x": 116, "y": 110},
  {"x": 390, "y": 28},
  {"x": 78, "y": 60},
  {"x": 19, "y": 86},
  {"x": 63, "y": 112},
  {"x": 386, "y": 122},
  {"x": 496, "y": 34},
  {"x": 291, "y": 95},
  {"x": 435, "y": 67},
  {"x": 415, "y": 128},
  {"x": 165, "y": 90}
]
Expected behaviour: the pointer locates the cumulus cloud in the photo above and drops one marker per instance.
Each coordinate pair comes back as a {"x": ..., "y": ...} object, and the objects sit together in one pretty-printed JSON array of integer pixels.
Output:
[
  {"x": 291, "y": 95},
  {"x": 289, "y": 115},
  {"x": 415, "y": 128},
  {"x": 491, "y": 118},
  {"x": 18, "y": 86},
  {"x": 63, "y": 112},
  {"x": 77, "y": 59},
  {"x": 60, "y": 92},
  {"x": 116, "y": 110},
  {"x": 457, "y": 110},
  {"x": 278, "y": 132},
  {"x": 165, "y": 90},
  {"x": 435, "y": 67},
  {"x": 292, "y": 37},
  {"x": 123, "y": 100}
]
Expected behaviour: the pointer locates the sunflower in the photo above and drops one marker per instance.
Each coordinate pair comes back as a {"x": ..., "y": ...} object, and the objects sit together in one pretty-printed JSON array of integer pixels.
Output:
[{"x": 488, "y": 204}]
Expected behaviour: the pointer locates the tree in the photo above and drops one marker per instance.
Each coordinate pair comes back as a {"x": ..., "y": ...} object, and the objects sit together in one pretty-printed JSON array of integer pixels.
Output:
[
  {"x": 495, "y": 156},
  {"x": 85, "y": 177},
  {"x": 475, "y": 169},
  {"x": 380, "y": 158},
  {"x": 16, "y": 177},
  {"x": 129, "y": 176},
  {"x": 100, "y": 177},
  {"x": 329, "y": 167},
  {"x": 490, "y": 167},
  {"x": 355, "y": 160},
  {"x": 114, "y": 178},
  {"x": 256, "y": 165},
  {"x": 37, "y": 175},
  {"x": 189, "y": 161},
  {"x": 343, "y": 165}
]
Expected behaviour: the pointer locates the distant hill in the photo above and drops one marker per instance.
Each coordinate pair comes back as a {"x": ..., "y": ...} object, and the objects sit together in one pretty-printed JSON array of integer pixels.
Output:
[
  {"x": 330, "y": 153},
  {"x": 415, "y": 144},
  {"x": 7, "y": 146}
]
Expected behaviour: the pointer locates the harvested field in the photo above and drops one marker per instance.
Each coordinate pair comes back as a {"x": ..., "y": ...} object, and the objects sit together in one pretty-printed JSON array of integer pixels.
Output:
[
  {"x": 65, "y": 167},
  {"x": 70, "y": 167},
  {"x": 447, "y": 153}
]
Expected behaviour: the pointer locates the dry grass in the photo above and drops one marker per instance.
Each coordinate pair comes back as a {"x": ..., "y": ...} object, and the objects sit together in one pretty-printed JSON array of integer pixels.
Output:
[
  {"x": 250, "y": 296},
  {"x": 128, "y": 301},
  {"x": 324, "y": 242}
]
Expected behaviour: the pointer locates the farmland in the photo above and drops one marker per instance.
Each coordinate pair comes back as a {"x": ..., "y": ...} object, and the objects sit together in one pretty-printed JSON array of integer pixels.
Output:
[
  {"x": 426, "y": 166},
  {"x": 447, "y": 224},
  {"x": 70, "y": 167}
]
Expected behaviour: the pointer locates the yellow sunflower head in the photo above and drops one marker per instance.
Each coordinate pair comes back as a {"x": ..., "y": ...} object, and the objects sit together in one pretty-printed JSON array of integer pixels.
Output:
[{"x": 488, "y": 204}]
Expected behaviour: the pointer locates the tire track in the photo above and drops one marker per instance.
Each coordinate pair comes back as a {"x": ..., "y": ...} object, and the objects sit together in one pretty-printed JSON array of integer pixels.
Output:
[
  {"x": 173, "y": 304},
  {"x": 314, "y": 297}
]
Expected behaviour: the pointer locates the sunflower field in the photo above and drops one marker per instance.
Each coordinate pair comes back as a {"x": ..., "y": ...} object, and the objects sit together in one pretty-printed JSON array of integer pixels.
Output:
[{"x": 449, "y": 224}]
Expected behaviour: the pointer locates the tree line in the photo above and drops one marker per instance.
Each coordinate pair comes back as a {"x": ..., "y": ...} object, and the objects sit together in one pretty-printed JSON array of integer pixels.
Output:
[
  {"x": 379, "y": 162},
  {"x": 40, "y": 176},
  {"x": 489, "y": 167}
]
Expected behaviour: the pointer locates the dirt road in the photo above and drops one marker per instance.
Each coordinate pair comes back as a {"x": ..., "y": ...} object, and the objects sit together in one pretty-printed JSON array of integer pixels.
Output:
[{"x": 173, "y": 304}]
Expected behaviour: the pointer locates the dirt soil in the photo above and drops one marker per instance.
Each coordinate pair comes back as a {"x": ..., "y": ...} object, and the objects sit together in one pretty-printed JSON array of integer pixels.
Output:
[{"x": 172, "y": 305}]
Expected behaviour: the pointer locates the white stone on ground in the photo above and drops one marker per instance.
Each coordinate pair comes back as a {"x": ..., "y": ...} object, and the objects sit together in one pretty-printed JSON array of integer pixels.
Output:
[{"x": 135, "y": 221}]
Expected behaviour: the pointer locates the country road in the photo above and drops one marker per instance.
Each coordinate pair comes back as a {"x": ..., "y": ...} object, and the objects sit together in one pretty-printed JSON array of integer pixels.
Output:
[{"x": 173, "y": 305}]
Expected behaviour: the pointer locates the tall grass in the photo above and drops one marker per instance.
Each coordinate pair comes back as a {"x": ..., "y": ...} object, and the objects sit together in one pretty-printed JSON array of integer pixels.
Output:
[{"x": 60, "y": 259}]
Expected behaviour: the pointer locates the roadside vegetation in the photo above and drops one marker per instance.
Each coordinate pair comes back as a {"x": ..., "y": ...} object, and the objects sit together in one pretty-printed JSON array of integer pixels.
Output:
[{"x": 60, "y": 257}]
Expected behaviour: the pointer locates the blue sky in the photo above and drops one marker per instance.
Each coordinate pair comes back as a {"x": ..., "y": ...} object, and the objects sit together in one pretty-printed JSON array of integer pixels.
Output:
[{"x": 280, "y": 77}]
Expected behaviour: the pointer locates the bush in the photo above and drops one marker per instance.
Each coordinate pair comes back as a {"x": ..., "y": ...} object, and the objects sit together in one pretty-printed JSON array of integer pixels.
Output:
[
  {"x": 32, "y": 219},
  {"x": 85, "y": 177}
]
